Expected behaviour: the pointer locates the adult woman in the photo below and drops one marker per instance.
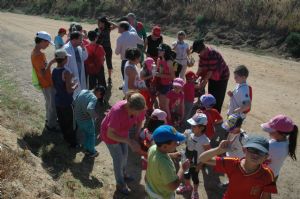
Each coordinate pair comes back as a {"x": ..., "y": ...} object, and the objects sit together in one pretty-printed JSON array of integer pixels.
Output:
[
  {"x": 152, "y": 42},
  {"x": 132, "y": 80},
  {"x": 115, "y": 134},
  {"x": 212, "y": 69},
  {"x": 104, "y": 29},
  {"x": 165, "y": 74}
]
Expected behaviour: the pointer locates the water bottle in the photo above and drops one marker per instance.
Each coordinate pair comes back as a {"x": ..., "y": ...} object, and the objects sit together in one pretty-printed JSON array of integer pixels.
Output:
[{"x": 154, "y": 69}]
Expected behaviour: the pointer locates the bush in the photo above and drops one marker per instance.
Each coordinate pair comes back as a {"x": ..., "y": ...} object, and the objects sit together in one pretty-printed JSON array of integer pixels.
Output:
[{"x": 293, "y": 44}]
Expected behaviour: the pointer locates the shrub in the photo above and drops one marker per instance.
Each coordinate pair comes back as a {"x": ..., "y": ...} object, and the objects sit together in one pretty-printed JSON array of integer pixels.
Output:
[{"x": 293, "y": 44}]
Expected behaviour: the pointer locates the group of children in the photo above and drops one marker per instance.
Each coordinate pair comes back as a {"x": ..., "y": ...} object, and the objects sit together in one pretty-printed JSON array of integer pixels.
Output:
[{"x": 251, "y": 161}]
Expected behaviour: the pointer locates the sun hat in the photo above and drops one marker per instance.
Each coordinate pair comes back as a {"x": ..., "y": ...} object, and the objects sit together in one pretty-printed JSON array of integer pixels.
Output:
[
  {"x": 156, "y": 31},
  {"x": 166, "y": 133},
  {"x": 178, "y": 82},
  {"x": 257, "y": 142},
  {"x": 198, "y": 119},
  {"x": 281, "y": 123},
  {"x": 45, "y": 36},
  {"x": 161, "y": 115},
  {"x": 233, "y": 121},
  {"x": 148, "y": 62},
  {"x": 61, "y": 54},
  {"x": 190, "y": 75},
  {"x": 207, "y": 100}
]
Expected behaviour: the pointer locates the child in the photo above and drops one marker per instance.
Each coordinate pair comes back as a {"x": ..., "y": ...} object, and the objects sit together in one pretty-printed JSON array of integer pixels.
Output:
[
  {"x": 161, "y": 178},
  {"x": 207, "y": 102},
  {"x": 238, "y": 136},
  {"x": 182, "y": 51},
  {"x": 283, "y": 133},
  {"x": 58, "y": 41},
  {"x": 94, "y": 65},
  {"x": 240, "y": 101},
  {"x": 43, "y": 73},
  {"x": 157, "y": 118},
  {"x": 62, "y": 81},
  {"x": 196, "y": 143},
  {"x": 189, "y": 94},
  {"x": 175, "y": 101},
  {"x": 249, "y": 178}
]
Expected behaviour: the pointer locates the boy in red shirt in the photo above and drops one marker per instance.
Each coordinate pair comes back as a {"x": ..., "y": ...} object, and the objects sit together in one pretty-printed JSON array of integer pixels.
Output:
[
  {"x": 208, "y": 101},
  {"x": 94, "y": 65},
  {"x": 189, "y": 94},
  {"x": 248, "y": 177}
]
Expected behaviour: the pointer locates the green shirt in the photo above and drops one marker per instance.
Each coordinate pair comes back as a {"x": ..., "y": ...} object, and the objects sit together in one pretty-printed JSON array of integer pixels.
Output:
[{"x": 160, "y": 172}]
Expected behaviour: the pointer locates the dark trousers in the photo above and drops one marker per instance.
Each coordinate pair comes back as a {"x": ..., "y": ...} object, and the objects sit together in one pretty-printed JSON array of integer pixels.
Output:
[
  {"x": 108, "y": 57},
  {"x": 218, "y": 90},
  {"x": 192, "y": 173},
  {"x": 123, "y": 67},
  {"x": 98, "y": 79},
  {"x": 65, "y": 120}
]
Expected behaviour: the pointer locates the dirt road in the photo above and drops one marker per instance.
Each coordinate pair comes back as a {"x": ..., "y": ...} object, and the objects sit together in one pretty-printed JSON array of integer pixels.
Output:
[{"x": 275, "y": 82}]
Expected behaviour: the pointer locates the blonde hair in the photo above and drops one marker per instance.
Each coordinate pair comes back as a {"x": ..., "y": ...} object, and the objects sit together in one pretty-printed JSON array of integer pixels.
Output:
[{"x": 135, "y": 101}]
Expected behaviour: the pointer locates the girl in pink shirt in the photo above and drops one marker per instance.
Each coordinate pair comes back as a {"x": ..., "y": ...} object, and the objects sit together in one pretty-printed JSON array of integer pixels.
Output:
[
  {"x": 115, "y": 134},
  {"x": 175, "y": 101}
]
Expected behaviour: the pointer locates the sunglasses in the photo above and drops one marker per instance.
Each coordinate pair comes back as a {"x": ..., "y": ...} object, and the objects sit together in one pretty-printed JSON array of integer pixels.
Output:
[{"x": 256, "y": 151}]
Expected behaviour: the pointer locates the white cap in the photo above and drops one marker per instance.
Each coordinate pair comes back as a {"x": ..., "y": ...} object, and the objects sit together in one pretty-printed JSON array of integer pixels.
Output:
[
  {"x": 44, "y": 35},
  {"x": 198, "y": 119},
  {"x": 161, "y": 115}
]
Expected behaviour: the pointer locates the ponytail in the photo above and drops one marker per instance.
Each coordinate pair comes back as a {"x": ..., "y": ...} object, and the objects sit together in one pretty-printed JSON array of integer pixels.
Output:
[{"x": 293, "y": 142}]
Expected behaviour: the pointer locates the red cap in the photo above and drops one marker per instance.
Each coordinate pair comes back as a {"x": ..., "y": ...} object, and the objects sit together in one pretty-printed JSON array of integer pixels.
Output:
[
  {"x": 190, "y": 75},
  {"x": 279, "y": 123},
  {"x": 62, "y": 30},
  {"x": 156, "y": 31}
]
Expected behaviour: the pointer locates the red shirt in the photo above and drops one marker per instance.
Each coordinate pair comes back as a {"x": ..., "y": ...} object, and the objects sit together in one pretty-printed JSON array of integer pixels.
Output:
[
  {"x": 242, "y": 185},
  {"x": 213, "y": 61},
  {"x": 189, "y": 92},
  {"x": 212, "y": 117},
  {"x": 175, "y": 100},
  {"x": 96, "y": 58}
]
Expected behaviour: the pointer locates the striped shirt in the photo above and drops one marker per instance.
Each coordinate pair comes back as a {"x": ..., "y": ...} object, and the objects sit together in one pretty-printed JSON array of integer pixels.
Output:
[
  {"x": 85, "y": 105},
  {"x": 213, "y": 61}
]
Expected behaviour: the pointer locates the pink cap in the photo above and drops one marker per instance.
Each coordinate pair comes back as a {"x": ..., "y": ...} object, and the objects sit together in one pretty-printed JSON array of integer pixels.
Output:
[
  {"x": 279, "y": 123},
  {"x": 148, "y": 62},
  {"x": 178, "y": 82},
  {"x": 161, "y": 115}
]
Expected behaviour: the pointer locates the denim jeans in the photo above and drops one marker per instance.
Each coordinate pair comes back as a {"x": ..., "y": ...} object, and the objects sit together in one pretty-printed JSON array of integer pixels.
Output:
[
  {"x": 87, "y": 127},
  {"x": 119, "y": 154}
]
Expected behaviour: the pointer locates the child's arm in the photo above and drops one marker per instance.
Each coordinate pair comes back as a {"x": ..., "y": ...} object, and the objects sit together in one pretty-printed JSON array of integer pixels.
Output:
[
  {"x": 183, "y": 167},
  {"x": 50, "y": 64},
  {"x": 68, "y": 79},
  {"x": 174, "y": 155},
  {"x": 243, "y": 108},
  {"x": 168, "y": 110},
  {"x": 182, "y": 111},
  {"x": 208, "y": 157}
]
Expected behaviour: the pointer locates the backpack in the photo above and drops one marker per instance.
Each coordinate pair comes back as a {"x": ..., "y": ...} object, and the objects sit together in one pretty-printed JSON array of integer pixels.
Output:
[
  {"x": 91, "y": 66},
  {"x": 250, "y": 95}
]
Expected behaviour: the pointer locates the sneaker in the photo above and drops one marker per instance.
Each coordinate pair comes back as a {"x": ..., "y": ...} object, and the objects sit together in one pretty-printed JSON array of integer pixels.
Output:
[
  {"x": 92, "y": 155},
  {"x": 121, "y": 88},
  {"x": 195, "y": 195},
  {"x": 183, "y": 189},
  {"x": 109, "y": 80}
]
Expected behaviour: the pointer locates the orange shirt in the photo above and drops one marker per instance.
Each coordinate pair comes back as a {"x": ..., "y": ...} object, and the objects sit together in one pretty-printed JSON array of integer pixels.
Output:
[{"x": 38, "y": 63}]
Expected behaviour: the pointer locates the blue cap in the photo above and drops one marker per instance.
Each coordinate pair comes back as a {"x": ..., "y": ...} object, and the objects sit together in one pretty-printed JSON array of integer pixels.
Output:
[
  {"x": 258, "y": 142},
  {"x": 208, "y": 100},
  {"x": 166, "y": 133}
]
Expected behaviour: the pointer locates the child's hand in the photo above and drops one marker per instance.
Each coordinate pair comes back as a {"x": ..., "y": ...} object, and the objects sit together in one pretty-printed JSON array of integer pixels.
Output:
[
  {"x": 230, "y": 93},
  {"x": 185, "y": 165}
]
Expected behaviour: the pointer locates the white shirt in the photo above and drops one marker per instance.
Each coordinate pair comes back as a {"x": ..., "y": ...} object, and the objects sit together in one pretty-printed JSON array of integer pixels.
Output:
[
  {"x": 125, "y": 41},
  {"x": 71, "y": 66},
  {"x": 241, "y": 96},
  {"x": 181, "y": 50},
  {"x": 236, "y": 148},
  {"x": 138, "y": 83},
  {"x": 278, "y": 151},
  {"x": 195, "y": 143},
  {"x": 132, "y": 29}
]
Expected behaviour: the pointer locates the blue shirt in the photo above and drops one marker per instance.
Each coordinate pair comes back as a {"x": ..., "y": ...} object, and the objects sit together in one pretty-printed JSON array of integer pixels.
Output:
[
  {"x": 62, "y": 97},
  {"x": 59, "y": 42},
  {"x": 85, "y": 105}
]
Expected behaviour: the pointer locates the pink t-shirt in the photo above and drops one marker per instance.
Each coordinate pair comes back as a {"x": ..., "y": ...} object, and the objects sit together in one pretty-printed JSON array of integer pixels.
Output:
[
  {"x": 189, "y": 92},
  {"x": 119, "y": 120},
  {"x": 176, "y": 99}
]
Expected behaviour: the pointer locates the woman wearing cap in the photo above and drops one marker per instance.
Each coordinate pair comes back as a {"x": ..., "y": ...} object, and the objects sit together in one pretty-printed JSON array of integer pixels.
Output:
[
  {"x": 283, "y": 141},
  {"x": 104, "y": 29},
  {"x": 58, "y": 41},
  {"x": 115, "y": 134},
  {"x": 165, "y": 75},
  {"x": 212, "y": 70},
  {"x": 152, "y": 42}
]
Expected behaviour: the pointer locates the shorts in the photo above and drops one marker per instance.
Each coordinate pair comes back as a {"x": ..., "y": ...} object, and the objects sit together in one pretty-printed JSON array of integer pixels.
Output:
[{"x": 164, "y": 89}]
